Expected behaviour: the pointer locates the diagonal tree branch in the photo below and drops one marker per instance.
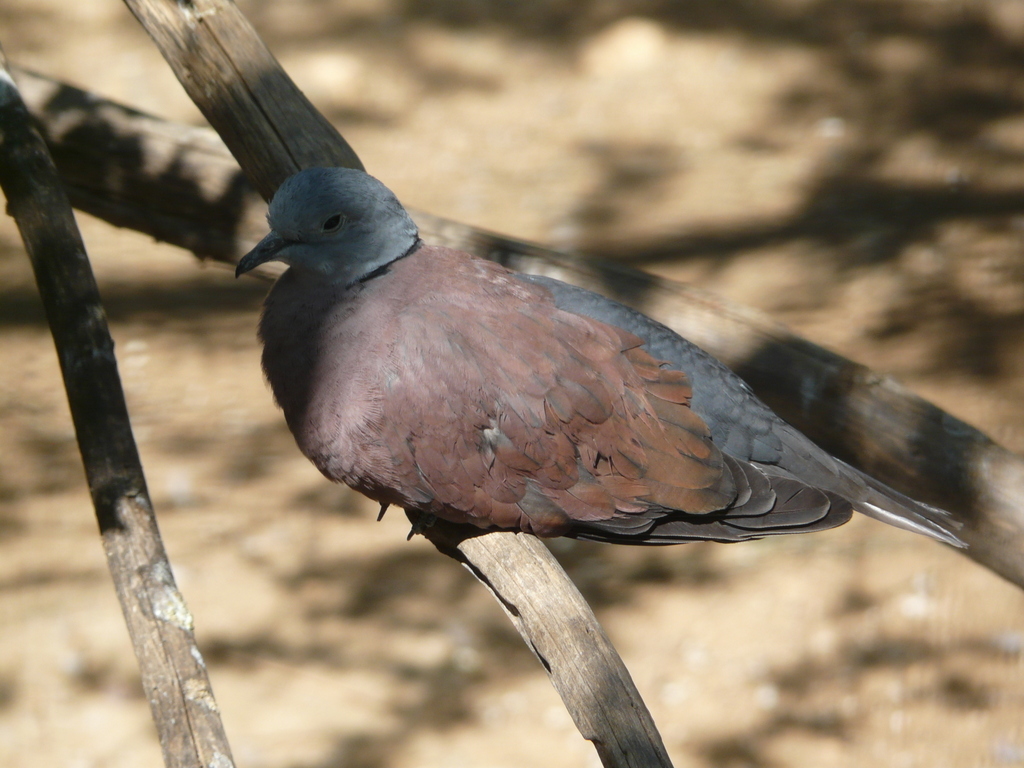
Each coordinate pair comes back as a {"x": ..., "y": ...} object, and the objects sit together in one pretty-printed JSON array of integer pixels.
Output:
[
  {"x": 273, "y": 132},
  {"x": 238, "y": 85},
  {"x": 173, "y": 673},
  {"x": 200, "y": 201}
]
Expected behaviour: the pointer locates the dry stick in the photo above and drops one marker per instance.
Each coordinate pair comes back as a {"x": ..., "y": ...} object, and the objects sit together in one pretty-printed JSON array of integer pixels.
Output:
[
  {"x": 558, "y": 626},
  {"x": 227, "y": 70},
  {"x": 178, "y": 183},
  {"x": 173, "y": 674},
  {"x": 274, "y": 131},
  {"x": 200, "y": 201}
]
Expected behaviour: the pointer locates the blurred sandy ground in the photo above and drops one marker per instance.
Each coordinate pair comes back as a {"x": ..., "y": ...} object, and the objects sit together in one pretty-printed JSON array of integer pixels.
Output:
[{"x": 855, "y": 167}]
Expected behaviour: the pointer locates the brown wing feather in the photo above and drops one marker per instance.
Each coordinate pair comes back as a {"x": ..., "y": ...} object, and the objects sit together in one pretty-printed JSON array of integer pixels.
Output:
[
  {"x": 448, "y": 386},
  {"x": 575, "y": 416}
]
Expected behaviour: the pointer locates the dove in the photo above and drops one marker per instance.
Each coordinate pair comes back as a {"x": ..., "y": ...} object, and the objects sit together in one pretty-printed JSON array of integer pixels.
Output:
[{"x": 430, "y": 379}]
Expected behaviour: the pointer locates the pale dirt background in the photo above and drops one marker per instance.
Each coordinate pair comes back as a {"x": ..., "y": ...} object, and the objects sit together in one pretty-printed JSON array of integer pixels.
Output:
[{"x": 855, "y": 167}]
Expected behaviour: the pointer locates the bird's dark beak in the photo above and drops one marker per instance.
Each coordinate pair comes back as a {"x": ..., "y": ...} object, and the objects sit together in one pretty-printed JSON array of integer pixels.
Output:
[{"x": 265, "y": 250}]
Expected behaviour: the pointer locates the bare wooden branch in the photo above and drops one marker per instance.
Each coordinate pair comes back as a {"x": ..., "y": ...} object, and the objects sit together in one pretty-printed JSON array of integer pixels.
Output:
[
  {"x": 868, "y": 419},
  {"x": 273, "y": 131},
  {"x": 111, "y": 157},
  {"x": 173, "y": 674},
  {"x": 560, "y": 628},
  {"x": 241, "y": 89}
]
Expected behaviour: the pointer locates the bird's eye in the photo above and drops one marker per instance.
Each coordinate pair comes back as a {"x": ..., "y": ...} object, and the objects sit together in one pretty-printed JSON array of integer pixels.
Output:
[{"x": 332, "y": 223}]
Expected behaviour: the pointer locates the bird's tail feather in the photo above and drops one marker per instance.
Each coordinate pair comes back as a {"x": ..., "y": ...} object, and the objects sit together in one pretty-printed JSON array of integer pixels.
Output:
[{"x": 892, "y": 507}]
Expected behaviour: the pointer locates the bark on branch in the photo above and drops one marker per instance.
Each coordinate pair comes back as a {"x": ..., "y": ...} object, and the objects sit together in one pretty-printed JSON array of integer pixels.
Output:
[
  {"x": 173, "y": 674},
  {"x": 200, "y": 201}
]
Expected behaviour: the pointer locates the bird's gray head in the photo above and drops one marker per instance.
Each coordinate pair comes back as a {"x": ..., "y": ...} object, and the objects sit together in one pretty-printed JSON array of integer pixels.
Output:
[{"x": 338, "y": 222}]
